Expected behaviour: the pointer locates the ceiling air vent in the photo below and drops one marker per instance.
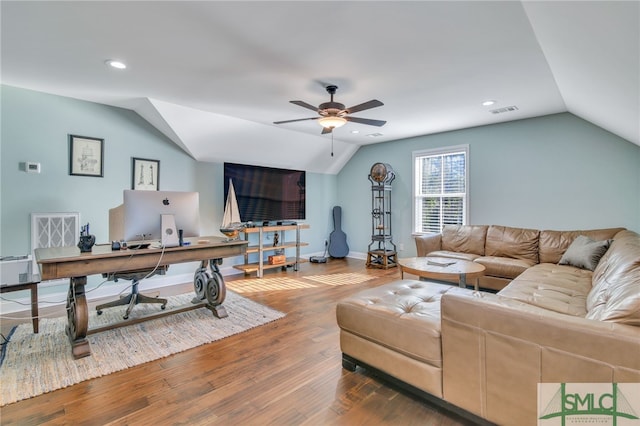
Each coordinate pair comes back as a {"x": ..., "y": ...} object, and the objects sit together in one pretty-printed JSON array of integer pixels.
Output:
[
  {"x": 375, "y": 135},
  {"x": 505, "y": 109}
]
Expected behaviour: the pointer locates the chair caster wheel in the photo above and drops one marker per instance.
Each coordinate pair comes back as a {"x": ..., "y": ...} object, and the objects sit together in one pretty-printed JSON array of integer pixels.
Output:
[
  {"x": 125, "y": 317},
  {"x": 163, "y": 307},
  {"x": 99, "y": 312}
]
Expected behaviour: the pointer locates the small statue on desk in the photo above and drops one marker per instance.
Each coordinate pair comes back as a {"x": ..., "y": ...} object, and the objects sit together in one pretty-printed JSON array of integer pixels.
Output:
[{"x": 86, "y": 240}]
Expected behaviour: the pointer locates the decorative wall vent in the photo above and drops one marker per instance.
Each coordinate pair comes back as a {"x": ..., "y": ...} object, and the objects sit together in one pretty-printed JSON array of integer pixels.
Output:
[
  {"x": 53, "y": 230},
  {"x": 505, "y": 109}
]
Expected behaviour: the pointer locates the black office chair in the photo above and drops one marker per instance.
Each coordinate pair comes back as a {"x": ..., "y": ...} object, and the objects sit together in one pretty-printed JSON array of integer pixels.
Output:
[{"x": 134, "y": 297}]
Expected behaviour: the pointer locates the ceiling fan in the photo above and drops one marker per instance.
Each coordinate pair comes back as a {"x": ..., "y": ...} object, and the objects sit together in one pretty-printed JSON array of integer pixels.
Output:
[{"x": 334, "y": 114}]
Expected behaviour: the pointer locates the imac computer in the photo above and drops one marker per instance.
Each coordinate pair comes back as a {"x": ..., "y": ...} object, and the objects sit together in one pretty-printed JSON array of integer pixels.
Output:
[{"x": 143, "y": 214}]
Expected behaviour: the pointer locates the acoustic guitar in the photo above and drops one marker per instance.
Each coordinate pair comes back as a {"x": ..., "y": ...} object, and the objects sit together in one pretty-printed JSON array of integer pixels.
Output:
[{"x": 338, "y": 247}]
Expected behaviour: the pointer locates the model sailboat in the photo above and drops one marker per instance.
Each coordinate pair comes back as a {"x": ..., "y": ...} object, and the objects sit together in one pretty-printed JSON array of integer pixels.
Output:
[{"x": 231, "y": 223}]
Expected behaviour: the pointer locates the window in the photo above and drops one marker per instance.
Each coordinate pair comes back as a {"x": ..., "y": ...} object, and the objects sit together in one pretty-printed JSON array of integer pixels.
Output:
[{"x": 440, "y": 194}]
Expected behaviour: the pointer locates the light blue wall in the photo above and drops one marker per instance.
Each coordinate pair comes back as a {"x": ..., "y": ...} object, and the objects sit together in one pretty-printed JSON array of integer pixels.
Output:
[
  {"x": 35, "y": 127},
  {"x": 552, "y": 172}
]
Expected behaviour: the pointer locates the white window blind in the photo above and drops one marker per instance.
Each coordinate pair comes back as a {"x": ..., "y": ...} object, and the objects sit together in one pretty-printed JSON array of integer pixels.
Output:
[{"x": 440, "y": 188}]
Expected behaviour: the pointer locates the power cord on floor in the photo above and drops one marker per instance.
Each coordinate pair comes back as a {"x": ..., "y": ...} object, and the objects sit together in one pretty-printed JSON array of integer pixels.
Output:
[{"x": 5, "y": 343}]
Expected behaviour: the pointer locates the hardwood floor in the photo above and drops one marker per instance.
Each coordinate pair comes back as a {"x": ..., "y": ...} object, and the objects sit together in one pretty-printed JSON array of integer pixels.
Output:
[{"x": 284, "y": 373}]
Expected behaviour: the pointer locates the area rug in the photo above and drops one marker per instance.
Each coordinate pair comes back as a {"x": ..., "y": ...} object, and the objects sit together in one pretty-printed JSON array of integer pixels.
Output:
[{"x": 34, "y": 364}]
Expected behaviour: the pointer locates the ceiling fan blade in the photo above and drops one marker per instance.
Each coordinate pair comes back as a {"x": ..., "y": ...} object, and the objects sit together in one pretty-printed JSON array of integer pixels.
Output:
[
  {"x": 367, "y": 105},
  {"x": 368, "y": 121},
  {"x": 326, "y": 130},
  {"x": 292, "y": 121},
  {"x": 305, "y": 105}
]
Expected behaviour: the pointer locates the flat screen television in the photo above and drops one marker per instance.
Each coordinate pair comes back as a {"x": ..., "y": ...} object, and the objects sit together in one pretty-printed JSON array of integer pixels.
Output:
[
  {"x": 266, "y": 193},
  {"x": 142, "y": 211}
]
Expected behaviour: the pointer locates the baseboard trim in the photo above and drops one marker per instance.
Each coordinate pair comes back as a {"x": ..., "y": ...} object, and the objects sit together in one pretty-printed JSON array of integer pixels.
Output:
[{"x": 352, "y": 255}]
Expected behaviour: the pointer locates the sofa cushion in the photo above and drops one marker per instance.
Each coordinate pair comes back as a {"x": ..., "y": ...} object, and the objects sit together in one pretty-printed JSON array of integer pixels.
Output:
[
  {"x": 393, "y": 315},
  {"x": 504, "y": 267},
  {"x": 553, "y": 244},
  {"x": 558, "y": 288},
  {"x": 615, "y": 295},
  {"x": 427, "y": 243},
  {"x": 518, "y": 243},
  {"x": 464, "y": 238},
  {"x": 454, "y": 255},
  {"x": 585, "y": 253}
]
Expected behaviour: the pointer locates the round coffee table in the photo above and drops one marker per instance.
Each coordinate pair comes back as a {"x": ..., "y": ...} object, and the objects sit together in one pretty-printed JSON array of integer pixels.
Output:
[{"x": 442, "y": 268}]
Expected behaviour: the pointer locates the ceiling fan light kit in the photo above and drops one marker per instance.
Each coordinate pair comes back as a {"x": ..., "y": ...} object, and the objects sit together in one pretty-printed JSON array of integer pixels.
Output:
[{"x": 332, "y": 122}]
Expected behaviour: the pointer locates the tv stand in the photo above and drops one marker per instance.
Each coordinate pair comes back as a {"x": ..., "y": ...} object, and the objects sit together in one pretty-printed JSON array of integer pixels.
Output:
[{"x": 263, "y": 250}]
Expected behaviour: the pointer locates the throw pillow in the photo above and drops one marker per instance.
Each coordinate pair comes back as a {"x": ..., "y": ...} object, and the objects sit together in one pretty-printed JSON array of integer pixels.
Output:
[{"x": 585, "y": 253}]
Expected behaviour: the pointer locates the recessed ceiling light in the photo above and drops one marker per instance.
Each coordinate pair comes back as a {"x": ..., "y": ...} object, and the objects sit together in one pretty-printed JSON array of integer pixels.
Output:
[
  {"x": 488, "y": 103},
  {"x": 355, "y": 132},
  {"x": 115, "y": 64}
]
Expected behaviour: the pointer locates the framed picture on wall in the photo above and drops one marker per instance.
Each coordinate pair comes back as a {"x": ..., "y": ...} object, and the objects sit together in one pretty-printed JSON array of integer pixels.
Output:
[
  {"x": 86, "y": 156},
  {"x": 145, "y": 174}
]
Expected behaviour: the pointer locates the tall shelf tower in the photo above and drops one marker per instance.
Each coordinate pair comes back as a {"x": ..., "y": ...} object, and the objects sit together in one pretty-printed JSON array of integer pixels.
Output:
[{"x": 382, "y": 251}]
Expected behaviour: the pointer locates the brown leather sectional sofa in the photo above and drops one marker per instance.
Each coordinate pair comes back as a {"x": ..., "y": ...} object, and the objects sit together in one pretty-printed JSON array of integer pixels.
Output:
[
  {"x": 485, "y": 353},
  {"x": 505, "y": 252}
]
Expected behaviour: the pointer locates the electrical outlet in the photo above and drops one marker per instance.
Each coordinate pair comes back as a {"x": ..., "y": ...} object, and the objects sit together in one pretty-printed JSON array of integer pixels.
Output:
[{"x": 401, "y": 246}]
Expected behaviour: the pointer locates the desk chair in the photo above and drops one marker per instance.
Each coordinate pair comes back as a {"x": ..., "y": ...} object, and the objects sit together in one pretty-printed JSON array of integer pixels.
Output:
[{"x": 134, "y": 297}]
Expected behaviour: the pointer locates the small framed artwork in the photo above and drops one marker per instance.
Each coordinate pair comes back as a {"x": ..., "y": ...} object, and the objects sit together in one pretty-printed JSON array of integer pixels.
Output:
[
  {"x": 86, "y": 156},
  {"x": 145, "y": 174}
]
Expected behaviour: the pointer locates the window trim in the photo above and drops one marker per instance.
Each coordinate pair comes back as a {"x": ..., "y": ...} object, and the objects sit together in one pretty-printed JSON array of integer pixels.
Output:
[{"x": 415, "y": 184}]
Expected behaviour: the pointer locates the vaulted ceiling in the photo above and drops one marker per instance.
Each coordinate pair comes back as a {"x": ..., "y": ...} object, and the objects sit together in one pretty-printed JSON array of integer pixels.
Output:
[{"x": 213, "y": 76}]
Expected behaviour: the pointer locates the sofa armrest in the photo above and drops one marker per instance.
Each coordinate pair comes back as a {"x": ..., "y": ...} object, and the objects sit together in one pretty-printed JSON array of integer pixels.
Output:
[
  {"x": 427, "y": 243},
  {"x": 496, "y": 350}
]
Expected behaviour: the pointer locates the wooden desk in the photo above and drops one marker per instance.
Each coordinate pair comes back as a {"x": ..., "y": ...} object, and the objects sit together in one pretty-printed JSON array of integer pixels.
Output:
[{"x": 68, "y": 262}]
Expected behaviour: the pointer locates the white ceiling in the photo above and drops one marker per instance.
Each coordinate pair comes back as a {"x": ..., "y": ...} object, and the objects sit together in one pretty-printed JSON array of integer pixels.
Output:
[{"x": 213, "y": 76}]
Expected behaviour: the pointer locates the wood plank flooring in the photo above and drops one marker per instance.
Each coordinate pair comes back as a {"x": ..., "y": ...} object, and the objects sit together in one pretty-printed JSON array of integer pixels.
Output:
[{"x": 284, "y": 373}]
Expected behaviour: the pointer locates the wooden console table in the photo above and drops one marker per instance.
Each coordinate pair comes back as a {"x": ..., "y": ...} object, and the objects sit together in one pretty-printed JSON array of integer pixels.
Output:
[
  {"x": 261, "y": 248},
  {"x": 68, "y": 262}
]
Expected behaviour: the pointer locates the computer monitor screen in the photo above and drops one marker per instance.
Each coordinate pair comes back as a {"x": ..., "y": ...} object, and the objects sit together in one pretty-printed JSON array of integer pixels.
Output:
[{"x": 143, "y": 209}]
